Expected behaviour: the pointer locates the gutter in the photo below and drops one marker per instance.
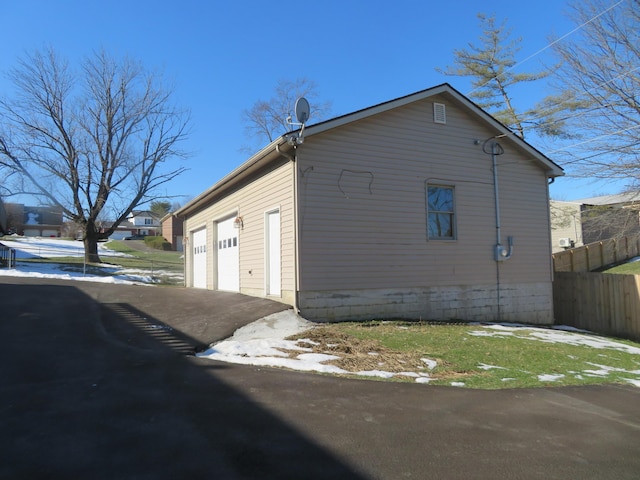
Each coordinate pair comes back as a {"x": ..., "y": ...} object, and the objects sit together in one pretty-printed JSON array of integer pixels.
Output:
[{"x": 269, "y": 153}]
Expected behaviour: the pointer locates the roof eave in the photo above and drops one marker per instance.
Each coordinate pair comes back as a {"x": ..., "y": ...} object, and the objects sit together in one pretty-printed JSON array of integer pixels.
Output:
[{"x": 269, "y": 153}]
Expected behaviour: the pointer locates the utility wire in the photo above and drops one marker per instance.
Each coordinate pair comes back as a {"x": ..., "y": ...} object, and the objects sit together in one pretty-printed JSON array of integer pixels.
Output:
[
  {"x": 548, "y": 46},
  {"x": 574, "y": 96},
  {"x": 600, "y": 137}
]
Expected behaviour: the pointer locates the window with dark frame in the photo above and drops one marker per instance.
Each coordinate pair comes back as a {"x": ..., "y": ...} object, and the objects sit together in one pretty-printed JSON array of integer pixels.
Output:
[{"x": 440, "y": 213}]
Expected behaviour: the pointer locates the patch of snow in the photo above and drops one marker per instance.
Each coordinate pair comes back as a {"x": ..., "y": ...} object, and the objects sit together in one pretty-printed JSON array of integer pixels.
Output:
[
  {"x": 43, "y": 247},
  {"x": 431, "y": 364},
  {"x": 457, "y": 384},
  {"x": 567, "y": 328},
  {"x": 375, "y": 373},
  {"x": 484, "y": 366},
  {"x": 53, "y": 271},
  {"x": 316, "y": 357},
  {"x": 483, "y": 333},
  {"x": 567, "y": 335},
  {"x": 550, "y": 377},
  {"x": 607, "y": 369},
  {"x": 277, "y": 326},
  {"x": 592, "y": 341}
]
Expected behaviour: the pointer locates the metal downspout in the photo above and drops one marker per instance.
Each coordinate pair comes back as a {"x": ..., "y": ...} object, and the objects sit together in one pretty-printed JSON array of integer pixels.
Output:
[
  {"x": 498, "y": 229},
  {"x": 293, "y": 159}
]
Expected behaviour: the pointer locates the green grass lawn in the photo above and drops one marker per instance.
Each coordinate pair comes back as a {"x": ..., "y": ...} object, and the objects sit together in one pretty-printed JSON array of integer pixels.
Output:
[
  {"x": 632, "y": 268},
  {"x": 479, "y": 357},
  {"x": 171, "y": 261}
]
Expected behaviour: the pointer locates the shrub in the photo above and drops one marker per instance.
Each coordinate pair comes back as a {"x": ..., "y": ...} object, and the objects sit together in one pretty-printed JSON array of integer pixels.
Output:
[{"x": 158, "y": 243}]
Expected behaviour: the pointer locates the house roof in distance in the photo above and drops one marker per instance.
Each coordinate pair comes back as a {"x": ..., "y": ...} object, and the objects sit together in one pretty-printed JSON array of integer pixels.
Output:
[{"x": 617, "y": 199}]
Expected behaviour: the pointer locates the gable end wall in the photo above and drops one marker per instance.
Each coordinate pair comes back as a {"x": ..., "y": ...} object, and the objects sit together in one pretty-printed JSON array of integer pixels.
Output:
[{"x": 364, "y": 251}]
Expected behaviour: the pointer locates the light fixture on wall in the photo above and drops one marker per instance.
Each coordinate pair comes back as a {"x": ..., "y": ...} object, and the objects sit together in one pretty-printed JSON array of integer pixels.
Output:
[{"x": 237, "y": 223}]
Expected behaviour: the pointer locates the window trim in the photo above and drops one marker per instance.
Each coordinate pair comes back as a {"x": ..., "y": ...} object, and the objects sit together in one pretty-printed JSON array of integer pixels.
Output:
[{"x": 452, "y": 213}]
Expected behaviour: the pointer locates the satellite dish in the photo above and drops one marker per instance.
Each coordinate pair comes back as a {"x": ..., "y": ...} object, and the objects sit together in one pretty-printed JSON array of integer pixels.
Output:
[{"x": 302, "y": 110}]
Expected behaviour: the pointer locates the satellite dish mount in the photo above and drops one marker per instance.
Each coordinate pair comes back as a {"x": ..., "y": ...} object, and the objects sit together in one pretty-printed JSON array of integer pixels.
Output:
[{"x": 302, "y": 110}]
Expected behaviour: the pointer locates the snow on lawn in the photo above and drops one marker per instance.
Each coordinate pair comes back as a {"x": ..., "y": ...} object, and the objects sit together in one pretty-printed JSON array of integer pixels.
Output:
[
  {"x": 263, "y": 343},
  {"x": 41, "y": 247},
  {"x": 57, "y": 271},
  {"x": 559, "y": 334},
  {"x": 38, "y": 247}
]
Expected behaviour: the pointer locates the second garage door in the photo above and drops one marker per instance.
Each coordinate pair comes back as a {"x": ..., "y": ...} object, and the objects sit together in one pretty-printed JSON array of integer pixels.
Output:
[{"x": 228, "y": 256}]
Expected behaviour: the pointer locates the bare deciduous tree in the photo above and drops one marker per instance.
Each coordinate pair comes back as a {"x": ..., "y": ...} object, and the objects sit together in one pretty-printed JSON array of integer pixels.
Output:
[
  {"x": 99, "y": 137},
  {"x": 267, "y": 120},
  {"x": 600, "y": 75},
  {"x": 603, "y": 222}
]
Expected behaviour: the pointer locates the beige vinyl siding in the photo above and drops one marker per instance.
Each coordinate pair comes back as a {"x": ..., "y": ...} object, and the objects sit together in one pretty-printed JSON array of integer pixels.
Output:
[
  {"x": 272, "y": 189},
  {"x": 353, "y": 239},
  {"x": 525, "y": 216}
]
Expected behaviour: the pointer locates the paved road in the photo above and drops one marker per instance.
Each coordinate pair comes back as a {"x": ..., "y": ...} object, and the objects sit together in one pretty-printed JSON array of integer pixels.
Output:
[{"x": 97, "y": 383}]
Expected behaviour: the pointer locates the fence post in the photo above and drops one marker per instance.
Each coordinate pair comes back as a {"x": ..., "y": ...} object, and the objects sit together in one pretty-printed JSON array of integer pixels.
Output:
[
  {"x": 588, "y": 262},
  {"x": 571, "y": 260}
]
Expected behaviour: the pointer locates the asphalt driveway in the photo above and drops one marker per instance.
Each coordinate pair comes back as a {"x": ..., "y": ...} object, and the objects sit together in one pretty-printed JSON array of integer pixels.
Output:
[{"x": 98, "y": 382}]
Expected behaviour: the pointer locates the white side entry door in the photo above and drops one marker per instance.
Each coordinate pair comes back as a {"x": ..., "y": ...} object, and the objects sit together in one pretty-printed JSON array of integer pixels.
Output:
[{"x": 273, "y": 256}]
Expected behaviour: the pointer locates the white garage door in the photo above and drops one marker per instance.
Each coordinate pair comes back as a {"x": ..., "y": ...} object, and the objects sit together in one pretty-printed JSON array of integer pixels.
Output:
[
  {"x": 228, "y": 256},
  {"x": 200, "y": 258}
]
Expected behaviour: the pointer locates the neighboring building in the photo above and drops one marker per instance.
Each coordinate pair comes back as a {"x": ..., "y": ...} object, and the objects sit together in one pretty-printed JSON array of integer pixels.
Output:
[
  {"x": 566, "y": 225},
  {"x": 44, "y": 221},
  {"x": 594, "y": 219},
  {"x": 138, "y": 222},
  {"x": 387, "y": 212},
  {"x": 147, "y": 222},
  {"x": 172, "y": 227},
  {"x": 610, "y": 216}
]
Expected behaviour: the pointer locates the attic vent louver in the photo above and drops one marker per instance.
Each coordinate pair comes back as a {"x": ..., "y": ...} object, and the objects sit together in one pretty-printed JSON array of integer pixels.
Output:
[{"x": 439, "y": 113}]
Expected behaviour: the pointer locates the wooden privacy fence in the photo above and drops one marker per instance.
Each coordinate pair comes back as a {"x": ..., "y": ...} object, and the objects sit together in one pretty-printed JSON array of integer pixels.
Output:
[
  {"x": 605, "y": 303},
  {"x": 597, "y": 255}
]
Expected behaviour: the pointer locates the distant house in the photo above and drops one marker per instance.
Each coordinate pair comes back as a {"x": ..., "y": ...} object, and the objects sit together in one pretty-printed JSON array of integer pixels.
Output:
[
  {"x": 145, "y": 221},
  {"x": 41, "y": 221},
  {"x": 566, "y": 225},
  {"x": 594, "y": 219},
  {"x": 138, "y": 222},
  {"x": 412, "y": 208},
  {"x": 172, "y": 227}
]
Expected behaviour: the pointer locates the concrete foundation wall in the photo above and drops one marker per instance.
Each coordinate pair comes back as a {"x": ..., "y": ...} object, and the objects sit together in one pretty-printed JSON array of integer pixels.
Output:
[{"x": 524, "y": 303}]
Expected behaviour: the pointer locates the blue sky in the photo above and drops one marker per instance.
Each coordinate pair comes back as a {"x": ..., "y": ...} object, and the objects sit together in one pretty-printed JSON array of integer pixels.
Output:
[{"x": 224, "y": 56}]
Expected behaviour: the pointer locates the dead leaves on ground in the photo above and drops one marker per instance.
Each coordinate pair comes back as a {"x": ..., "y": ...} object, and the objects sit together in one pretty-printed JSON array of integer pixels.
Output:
[{"x": 356, "y": 355}]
